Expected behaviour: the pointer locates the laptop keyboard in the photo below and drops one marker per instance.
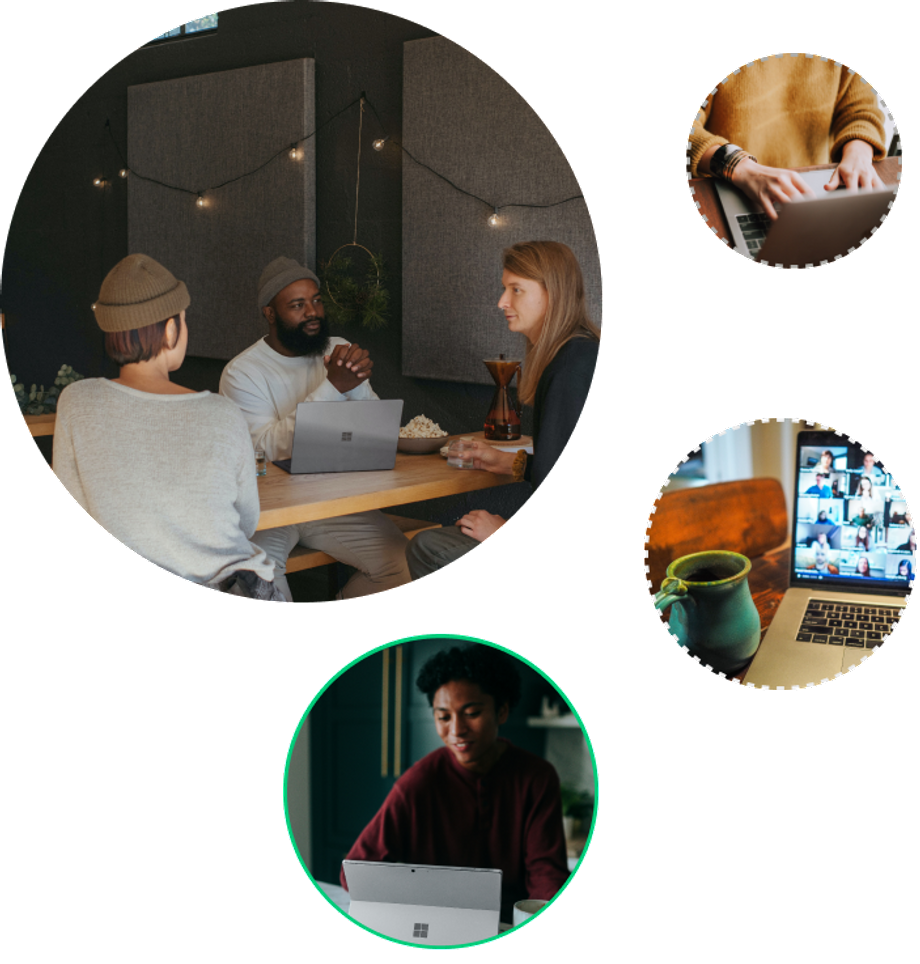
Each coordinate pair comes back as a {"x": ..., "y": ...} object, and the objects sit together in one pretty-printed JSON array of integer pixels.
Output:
[
  {"x": 754, "y": 228},
  {"x": 844, "y": 624}
]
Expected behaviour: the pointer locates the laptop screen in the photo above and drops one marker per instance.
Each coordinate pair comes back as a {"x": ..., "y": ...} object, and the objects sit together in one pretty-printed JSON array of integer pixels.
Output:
[{"x": 852, "y": 527}]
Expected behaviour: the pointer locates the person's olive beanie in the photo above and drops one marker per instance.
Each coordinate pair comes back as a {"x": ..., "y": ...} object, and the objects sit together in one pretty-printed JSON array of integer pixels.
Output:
[
  {"x": 279, "y": 274},
  {"x": 138, "y": 292}
]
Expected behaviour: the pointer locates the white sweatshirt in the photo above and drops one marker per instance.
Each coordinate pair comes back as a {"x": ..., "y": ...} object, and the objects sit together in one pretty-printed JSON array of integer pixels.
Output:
[{"x": 268, "y": 387}]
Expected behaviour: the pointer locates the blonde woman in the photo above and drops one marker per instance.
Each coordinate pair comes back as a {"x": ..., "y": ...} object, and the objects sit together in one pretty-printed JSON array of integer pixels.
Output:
[{"x": 543, "y": 298}]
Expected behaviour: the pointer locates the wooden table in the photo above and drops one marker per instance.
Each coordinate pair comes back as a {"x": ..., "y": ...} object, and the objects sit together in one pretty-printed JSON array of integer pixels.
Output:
[
  {"x": 287, "y": 499},
  {"x": 41, "y": 424},
  {"x": 705, "y": 195}
]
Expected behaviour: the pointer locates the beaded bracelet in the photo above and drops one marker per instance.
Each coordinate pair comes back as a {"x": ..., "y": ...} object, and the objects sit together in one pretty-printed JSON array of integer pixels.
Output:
[{"x": 733, "y": 161}]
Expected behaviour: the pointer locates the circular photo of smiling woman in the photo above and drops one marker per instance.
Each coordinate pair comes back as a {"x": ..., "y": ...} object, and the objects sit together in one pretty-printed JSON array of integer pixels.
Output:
[{"x": 440, "y": 791}]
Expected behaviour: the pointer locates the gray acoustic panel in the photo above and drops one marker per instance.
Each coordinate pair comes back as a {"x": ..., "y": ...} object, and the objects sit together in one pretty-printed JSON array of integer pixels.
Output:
[
  {"x": 461, "y": 119},
  {"x": 198, "y": 132}
]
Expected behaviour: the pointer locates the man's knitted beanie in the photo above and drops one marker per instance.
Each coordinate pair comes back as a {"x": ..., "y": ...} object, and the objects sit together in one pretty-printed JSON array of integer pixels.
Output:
[
  {"x": 279, "y": 274},
  {"x": 138, "y": 292}
]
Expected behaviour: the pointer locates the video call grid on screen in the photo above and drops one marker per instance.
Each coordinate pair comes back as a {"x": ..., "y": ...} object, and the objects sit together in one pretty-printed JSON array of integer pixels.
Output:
[{"x": 852, "y": 523}]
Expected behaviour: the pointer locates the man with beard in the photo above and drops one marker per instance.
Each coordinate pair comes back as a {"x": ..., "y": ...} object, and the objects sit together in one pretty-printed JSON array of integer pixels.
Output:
[{"x": 298, "y": 362}]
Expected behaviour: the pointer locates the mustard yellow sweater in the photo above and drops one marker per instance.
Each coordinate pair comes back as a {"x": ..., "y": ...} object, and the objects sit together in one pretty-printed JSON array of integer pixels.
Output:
[{"x": 790, "y": 111}]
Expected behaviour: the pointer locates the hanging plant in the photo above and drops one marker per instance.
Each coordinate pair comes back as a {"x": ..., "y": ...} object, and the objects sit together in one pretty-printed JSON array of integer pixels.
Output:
[{"x": 352, "y": 294}]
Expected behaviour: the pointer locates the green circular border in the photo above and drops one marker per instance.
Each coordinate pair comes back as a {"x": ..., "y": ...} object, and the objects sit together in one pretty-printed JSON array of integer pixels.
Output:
[{"x": 379, "y": 649}]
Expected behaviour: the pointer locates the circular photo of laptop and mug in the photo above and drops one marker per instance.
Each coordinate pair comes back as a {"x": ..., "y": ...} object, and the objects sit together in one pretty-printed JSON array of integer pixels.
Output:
[
  {"x": 440, "y": 791},
  {"x": 794, "y": 160},
  {"x": 787, "y": 576}
]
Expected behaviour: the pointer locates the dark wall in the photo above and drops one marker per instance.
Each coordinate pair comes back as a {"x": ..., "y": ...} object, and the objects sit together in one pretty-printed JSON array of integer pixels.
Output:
[{"x": 66, "y": 234}]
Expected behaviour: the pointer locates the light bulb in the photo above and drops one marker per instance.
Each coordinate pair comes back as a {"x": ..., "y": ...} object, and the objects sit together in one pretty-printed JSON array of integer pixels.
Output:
[
  {"x": 293, "y": 153},
  {"x": 123, "y": 172},
  {"x": 200, "y": 201},
  {"x": 98, "y": 182},
  {"x": 378, "y": 144},
  {"x": 493, "y": 219}
]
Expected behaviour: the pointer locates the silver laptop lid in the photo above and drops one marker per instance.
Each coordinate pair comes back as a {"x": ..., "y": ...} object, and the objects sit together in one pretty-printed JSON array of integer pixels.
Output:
[
  {"x": 424, "y": 904},
  {"x": 346, "y": 436},
  {"x": 811, "y": 233},
  {"x": 469, "y": 888}
]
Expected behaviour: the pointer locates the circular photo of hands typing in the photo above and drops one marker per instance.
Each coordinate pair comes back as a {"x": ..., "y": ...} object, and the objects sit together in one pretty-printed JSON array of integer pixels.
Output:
[
  {"x": 258, "y": 385},
  {"x": 781, "y": 554},
  {"x": 440, "y": 791},
  {"x": 794, "y": 160}
]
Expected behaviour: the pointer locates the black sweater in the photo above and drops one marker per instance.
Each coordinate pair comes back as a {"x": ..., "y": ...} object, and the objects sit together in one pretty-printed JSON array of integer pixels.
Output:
[{"x": 560, "y": 397}]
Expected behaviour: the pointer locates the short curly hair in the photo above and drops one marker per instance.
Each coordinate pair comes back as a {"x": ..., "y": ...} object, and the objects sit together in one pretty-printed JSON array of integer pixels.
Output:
[{"x": 493, "y": 671}]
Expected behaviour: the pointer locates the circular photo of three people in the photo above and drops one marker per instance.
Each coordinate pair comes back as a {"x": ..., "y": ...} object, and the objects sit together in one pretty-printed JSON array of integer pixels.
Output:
[{"x": 303, "y": 416}]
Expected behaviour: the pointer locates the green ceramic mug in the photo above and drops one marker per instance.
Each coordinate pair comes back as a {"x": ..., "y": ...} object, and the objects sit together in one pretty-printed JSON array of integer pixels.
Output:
[{"x": 712, "y": 612}]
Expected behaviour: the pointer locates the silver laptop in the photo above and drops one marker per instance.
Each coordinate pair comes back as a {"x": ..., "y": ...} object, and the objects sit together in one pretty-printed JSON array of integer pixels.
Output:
[
  {"x": 809, "y": 231},
  {"x": 345, "y": 436},
  {"x": 853, "y": 563},
  {"x": 421, "y": 904}
]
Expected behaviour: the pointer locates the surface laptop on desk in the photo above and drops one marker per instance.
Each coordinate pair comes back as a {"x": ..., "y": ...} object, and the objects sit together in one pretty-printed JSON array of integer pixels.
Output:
[
  {"x": 421, "y": 904},
  {"x": 345, "y": 436},
  {"x": 807, "y": 231},
  {"x": 851, "y": 568}
]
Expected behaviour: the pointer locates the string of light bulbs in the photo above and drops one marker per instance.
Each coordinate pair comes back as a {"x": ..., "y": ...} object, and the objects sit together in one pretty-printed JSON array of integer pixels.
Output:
[{"x": 293, "y": 152}]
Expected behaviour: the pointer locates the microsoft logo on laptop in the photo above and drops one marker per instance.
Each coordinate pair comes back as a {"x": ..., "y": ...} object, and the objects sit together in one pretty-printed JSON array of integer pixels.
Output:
[
  {"x": 420, "y": 930},
  {"x": 346, "y": 436}
]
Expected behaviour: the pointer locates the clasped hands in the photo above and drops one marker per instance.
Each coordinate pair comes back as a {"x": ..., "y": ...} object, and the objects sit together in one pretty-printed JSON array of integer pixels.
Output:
[
  {"x": 773, "y": 185},
  {"x": 347, "y": 367}
]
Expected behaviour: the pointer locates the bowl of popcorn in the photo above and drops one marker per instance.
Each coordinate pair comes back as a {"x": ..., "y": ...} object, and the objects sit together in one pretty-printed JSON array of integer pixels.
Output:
[{"x": 421, "y": 436}]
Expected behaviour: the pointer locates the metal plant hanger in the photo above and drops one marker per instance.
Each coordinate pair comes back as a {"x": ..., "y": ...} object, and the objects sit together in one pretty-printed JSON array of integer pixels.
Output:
[{"x": 350, "y": 298}]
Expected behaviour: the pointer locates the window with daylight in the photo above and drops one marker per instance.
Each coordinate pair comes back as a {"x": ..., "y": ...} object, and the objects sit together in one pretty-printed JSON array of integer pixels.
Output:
[{"x": 202, "y": 25}]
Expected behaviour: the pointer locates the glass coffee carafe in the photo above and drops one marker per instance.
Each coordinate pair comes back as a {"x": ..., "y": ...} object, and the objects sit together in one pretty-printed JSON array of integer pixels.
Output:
[{"x": 503, "y": 423}]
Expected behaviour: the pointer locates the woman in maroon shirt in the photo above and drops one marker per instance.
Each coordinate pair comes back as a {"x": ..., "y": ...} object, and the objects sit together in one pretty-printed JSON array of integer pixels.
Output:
[{"x": 479, "y": 801}]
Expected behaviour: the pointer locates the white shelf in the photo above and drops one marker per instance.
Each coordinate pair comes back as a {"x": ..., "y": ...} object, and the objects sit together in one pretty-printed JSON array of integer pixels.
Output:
[{"x": 567, "y": 722}]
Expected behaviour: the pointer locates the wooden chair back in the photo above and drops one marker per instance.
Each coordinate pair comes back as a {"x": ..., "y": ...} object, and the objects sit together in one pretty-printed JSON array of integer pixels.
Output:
[{"x": 747, "y": 517}]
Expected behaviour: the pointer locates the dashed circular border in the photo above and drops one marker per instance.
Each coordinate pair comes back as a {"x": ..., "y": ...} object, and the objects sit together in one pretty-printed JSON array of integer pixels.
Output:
[
  {"x": 726, "y": 242},
  {"x": 817, "y": 426}
]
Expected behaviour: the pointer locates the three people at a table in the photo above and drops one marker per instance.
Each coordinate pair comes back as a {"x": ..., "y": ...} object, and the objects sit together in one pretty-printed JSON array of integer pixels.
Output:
[
  {"x": 478, "y": 801},
  {"x": 173, "y": 477}
]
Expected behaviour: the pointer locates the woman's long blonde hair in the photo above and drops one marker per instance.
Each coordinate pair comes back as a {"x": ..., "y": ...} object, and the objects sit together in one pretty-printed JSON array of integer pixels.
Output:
[{"x": 553, "y": 265}]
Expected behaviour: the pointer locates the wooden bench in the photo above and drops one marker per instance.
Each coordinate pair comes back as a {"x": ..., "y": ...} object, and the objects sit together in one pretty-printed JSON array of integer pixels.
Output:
[{"x": 301, "y": 558}]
